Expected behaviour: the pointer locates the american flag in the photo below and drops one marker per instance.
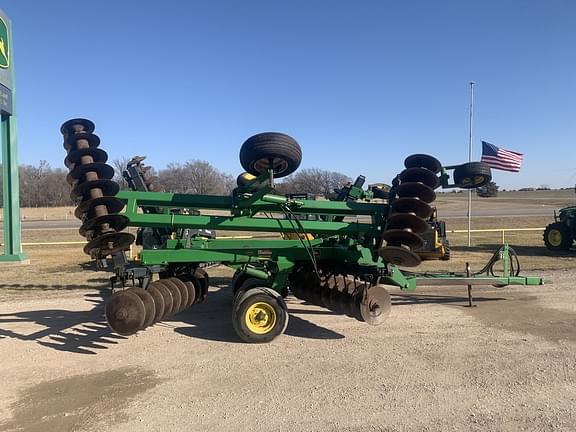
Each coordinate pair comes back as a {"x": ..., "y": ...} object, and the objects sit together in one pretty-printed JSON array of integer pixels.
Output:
[{"x": 502, "y": 159}]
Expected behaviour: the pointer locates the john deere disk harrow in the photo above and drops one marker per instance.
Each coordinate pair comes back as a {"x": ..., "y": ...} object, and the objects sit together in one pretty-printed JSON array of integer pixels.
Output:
[{"x": 342, "y": 259}]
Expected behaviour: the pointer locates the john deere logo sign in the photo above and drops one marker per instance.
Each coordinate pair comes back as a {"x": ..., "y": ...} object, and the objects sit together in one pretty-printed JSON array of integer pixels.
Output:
[{"x": 4, "y": 45}]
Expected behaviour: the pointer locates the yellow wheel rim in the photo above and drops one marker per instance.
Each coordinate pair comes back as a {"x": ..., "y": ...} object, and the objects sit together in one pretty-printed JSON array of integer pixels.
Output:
[
  {"x": 260, "y": 318},
  {"x": 555, "y": 237}
]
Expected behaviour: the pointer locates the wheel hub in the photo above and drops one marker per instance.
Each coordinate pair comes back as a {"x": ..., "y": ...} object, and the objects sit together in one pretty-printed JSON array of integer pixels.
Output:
[
  {"x": 555, "y": 237},
  {"x": 260, "y": 318},
  {"x": 276, "y": 164}
]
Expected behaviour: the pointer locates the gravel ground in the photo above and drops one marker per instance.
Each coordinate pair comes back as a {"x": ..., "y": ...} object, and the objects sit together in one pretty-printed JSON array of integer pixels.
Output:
[{"x": 434, "y": 365}]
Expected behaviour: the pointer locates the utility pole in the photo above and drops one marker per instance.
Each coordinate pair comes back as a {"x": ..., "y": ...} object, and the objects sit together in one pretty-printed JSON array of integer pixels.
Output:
[{"x": 472, "y": 83}]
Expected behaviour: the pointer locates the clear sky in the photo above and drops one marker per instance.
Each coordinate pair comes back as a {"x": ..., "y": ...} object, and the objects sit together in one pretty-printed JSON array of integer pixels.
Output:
[{"x": 360, "y": 84}]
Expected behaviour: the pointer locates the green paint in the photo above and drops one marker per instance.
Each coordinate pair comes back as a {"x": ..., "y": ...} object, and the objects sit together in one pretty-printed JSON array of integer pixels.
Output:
[
  {"x": 12, "y": 242},
  {"x": 273, "y": 259},
  {"x": 4, "y": 44}
]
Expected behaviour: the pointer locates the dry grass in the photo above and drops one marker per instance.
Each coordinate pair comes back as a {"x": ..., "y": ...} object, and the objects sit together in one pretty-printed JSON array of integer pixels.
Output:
[
  {"x": 45, "y": 213},
  {"x": 551, "y": 199}
]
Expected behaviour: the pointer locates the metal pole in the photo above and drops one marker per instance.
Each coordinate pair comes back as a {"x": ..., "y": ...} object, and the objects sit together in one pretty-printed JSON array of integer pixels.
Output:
[
  {"x": 11, "y": 199},
  {"x": 470, "y": 159}
]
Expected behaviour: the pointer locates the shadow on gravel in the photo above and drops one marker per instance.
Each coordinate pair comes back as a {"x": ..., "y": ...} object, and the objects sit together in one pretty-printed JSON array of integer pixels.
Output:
[
  {"x": 520, "y": 250},
  {"x": 302, "y": 328},
  {"x": 410, "y": 299},
  {"x": 213, "y": 320},
  {"x": 86, "y": 332},
  {"x": 82, "y": 332},
  {"x": 45, "y": 287}
]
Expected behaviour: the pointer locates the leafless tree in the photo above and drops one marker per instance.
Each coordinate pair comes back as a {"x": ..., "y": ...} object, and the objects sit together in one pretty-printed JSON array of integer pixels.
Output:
[
  {"x": 43, "y": 186},
  {"x": 229, "y": 183},
  {"x": 119, "y": 165},
  {"x": 314, "y": 181},
  {"x": 196, "y": 177}
]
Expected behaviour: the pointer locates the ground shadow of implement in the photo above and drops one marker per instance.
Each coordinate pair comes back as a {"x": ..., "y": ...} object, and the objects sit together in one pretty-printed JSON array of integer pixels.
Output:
[
  {"x": 404, "y": 299},
  {"x": 213, "y": 320},
  {"x": 86, "y": 332},
  {"x": 82, "y": 332},
  {"x": 45, "y": 287},
  {"x": 520, "y": 250}
]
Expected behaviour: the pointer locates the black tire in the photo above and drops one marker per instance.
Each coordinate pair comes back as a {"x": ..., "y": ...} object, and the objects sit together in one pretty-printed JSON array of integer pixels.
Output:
[
  {"x": 446, "y": 255},
  {"x": 259, "y": 315},
  {"x": 472, "y": 175},
  {"x": 238, "y": 279},
  {"x": 245, "y": 283},
  {"x": 270, "y": 150},
  {"x": 557, "y": 237}
]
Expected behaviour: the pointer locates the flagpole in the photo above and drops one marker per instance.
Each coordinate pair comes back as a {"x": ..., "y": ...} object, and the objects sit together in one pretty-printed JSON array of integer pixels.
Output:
[{"x": 472, "y": 83}]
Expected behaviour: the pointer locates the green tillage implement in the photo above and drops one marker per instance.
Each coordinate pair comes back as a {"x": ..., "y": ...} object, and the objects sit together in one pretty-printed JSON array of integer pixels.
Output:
[
  {"x": 335, "y": 240},
  {"x": 284, "y": 253},
  {"x": 342, "y": 258}
]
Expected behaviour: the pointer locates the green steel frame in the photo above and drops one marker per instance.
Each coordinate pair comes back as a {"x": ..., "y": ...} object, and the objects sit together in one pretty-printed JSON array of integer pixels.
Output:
[{"x": 337, "y": 238}]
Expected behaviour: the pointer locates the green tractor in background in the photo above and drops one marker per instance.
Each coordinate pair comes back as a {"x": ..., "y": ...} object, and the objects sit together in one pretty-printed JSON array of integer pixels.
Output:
[{"x": 559, "y": 235}]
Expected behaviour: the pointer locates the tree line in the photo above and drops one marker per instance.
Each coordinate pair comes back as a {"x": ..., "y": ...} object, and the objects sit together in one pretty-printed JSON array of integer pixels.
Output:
[{"x": 42, "y": 185}]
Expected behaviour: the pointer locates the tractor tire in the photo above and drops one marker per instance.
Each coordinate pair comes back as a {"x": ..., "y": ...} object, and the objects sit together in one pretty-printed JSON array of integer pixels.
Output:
[
  {"x": 259, "y": 315},
  {"x": 270, "y": 150},
  {"x": 245, "y": 283},
  {"x": 557, "y": 237},
  {"x": 446, "y": 255},
  {"x": 238, "y": 280},
  {"x": 472, "y": 175}
]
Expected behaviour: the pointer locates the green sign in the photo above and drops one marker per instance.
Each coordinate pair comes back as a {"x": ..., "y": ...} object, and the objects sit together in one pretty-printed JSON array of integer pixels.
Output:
[
  {"x": 6, "y": 85},
  {"x": 12, "y": 248},
  {"x": 4, "y": 45}
]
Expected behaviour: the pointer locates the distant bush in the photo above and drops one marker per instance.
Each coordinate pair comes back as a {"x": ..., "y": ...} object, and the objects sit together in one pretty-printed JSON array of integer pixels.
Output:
[{"x": 488, "y": 191}]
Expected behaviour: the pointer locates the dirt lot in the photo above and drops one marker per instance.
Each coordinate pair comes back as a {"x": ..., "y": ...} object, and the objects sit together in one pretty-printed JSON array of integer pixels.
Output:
[{"x": 435, "y": 365}]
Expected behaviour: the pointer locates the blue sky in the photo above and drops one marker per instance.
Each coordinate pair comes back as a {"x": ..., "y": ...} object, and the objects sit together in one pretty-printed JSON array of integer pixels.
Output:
[{"x": 360, "y": 84}]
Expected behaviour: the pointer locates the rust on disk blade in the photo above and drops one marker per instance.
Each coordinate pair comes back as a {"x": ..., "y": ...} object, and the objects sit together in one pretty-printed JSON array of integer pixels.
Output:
[
  {"x": 183, "y": 292},
  {"x": 125, "y": 312},
  {"x": 376, "y": 305},
  {"x": 149, "y": 306},
  {"x": 399, "y": 255},
  {"x": 159, "y": 304},
  {"x": 176, "y": 297},
  {"x": 167, "y": 296}
]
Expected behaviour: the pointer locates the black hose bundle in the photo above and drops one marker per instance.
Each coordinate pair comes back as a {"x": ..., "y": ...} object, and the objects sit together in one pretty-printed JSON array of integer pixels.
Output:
[{"x": 488, "y": 269}]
